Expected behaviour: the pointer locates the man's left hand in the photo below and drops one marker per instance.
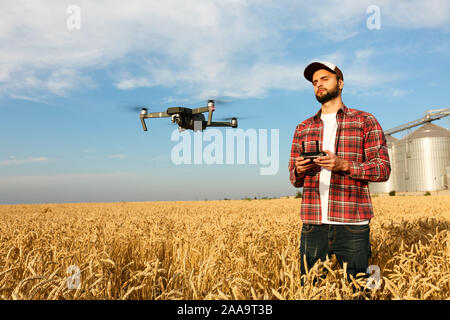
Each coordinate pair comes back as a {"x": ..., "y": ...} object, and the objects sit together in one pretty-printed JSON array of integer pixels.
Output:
[{"x": 332, "y": 162}]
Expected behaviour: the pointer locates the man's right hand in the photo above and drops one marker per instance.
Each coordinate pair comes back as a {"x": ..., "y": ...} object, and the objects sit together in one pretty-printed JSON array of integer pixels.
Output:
[{"x": 302, "y": 165}]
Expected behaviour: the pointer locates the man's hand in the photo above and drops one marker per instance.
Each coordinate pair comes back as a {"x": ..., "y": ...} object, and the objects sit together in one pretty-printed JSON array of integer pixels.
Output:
[
  {"x": 302, "y": 165},
  {"x": 332, "y": 162}
]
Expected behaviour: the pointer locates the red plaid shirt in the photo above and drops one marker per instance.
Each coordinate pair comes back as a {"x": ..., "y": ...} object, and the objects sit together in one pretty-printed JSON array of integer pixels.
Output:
[{"x": 361, "y": 141}]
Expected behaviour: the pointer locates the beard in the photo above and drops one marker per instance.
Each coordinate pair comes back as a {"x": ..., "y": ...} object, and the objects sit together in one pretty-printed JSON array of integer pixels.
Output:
[{"x": 329, "y": 95}]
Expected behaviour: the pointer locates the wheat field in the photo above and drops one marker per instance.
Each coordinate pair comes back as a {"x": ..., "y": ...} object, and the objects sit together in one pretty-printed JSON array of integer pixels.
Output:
[{"x": 229, "y": 249}]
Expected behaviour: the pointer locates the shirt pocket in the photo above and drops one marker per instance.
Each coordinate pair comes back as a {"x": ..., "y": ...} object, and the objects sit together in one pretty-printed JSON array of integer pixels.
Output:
[{"x": 351, "y": 141}]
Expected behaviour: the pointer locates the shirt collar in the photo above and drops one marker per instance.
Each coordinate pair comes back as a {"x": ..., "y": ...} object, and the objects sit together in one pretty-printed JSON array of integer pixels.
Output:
[{"x": 342, "y": 110}]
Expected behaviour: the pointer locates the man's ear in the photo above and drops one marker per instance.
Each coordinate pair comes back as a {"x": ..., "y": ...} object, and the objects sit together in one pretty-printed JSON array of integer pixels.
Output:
[{"x": 341, "y": 84}]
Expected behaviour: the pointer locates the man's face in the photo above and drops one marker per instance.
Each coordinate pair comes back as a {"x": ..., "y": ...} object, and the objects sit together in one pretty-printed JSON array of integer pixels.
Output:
[{"x": 326, "y": 86}]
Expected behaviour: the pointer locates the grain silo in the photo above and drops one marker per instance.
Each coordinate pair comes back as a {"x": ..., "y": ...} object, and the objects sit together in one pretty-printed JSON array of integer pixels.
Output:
[
  {"x": 388, "y": 186},
  {"x": 447, "y": 178},
  {"x": 421, "y": 158}
]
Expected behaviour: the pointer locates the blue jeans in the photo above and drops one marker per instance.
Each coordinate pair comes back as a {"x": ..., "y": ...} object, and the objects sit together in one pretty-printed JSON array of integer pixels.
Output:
[{"x": 350, "y": 243}]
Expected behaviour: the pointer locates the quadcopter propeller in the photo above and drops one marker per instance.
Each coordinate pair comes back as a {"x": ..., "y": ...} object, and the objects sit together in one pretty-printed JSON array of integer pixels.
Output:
[
  {"x": 230, "y": 118},
  {"x": 222, "y": 101},
  {"x": 218, "y": 101},
  {"x": 134, "y": 108}
]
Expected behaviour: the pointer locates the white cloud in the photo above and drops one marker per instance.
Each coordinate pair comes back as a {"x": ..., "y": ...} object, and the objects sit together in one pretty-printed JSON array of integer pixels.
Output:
[
  {"x": 20, "y": 97},
  {"x": 225, "y": 47},
  {"x": 397, "y": 93},
  {"x": 160, "y": 158},
  {"x": 13, "y": 161},
  {"x": 62, "y": 80},
  {"x": 118, "y": 156},
  {"x": 361, "y": 75},
  {"x": 416, "y": 14},
  {"x": 129, "y": 82},
  {"x": 343, "y": 19}
]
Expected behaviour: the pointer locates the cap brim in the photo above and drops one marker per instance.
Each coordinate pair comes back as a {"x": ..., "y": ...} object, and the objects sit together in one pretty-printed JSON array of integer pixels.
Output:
[{"x": 313, "y": 67}]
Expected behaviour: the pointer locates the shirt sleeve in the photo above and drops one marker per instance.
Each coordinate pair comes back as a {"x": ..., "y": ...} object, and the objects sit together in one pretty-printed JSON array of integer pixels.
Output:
[
  {"x": 296, "y": 181},
  {"x": 376, "y": 167}
]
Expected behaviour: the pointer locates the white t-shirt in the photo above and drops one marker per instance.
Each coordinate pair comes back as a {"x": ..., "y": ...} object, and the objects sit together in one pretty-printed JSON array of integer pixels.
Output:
[{"x": 329, "y": 139}]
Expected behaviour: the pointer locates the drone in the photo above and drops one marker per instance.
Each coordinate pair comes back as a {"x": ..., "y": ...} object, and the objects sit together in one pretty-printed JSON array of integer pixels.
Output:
[{"x": 187, "y": 118}]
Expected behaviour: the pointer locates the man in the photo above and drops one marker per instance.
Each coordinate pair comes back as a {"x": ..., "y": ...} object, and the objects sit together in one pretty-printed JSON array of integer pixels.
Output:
[{"x": 336, "y": 207}]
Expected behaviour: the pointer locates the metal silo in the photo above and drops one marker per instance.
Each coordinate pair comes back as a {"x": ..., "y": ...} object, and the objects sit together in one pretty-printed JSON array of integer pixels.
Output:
[
  {"x": 447, "y": 178},
  {"x": 388, "y": 186},
  {"x": 421, "y": 158}
]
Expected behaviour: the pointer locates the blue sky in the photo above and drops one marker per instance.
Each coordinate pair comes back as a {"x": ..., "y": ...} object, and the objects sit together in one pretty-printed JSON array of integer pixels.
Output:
[{"x": 66, "y": 137}]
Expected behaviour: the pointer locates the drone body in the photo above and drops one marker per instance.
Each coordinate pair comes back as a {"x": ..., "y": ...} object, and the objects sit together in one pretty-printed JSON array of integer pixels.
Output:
[{"x": 187, "y": 118}]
